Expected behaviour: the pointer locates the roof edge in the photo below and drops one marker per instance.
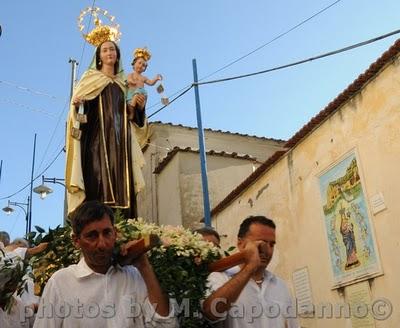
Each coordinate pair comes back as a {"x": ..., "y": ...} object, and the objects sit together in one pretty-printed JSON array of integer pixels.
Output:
[
  {"x": 219, "y": 131},
  {"x": 170, "y": 155},
  {"x": 359, "y": 83},
  {"x": 355, "y": 87}
]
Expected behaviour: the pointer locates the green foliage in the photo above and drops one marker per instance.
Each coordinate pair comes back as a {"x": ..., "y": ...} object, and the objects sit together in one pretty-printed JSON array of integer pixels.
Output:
[
  {"x": 12, "y": 279},
  {"x": 60, "y": 253},
  {"x": 180, "y": 263},
  {"x": 183, "y": 280}
]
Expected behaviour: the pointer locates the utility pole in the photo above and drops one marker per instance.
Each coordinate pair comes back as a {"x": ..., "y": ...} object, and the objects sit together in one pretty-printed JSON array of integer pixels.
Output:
[
  {"x": 202, "y": 150},
  {"x": 74, "y": 65},
  {"x": 31, "y": 187}
]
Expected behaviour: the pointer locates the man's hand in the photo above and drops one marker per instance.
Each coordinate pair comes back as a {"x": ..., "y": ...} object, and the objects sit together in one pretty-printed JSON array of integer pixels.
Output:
[
  {"x": 130, "y": 253},
  {"x": 230, "y": 291},
  {"x": 252, "y": 254},
  {"x": 134, "y": 253},
  {"x": 142, "y": 263}
]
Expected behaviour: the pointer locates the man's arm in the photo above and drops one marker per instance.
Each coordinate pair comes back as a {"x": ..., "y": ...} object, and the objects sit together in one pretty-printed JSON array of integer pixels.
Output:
[
  {"x": 156, "y": 296},
  {"x": 221, "y": 300},
  {"x": 36, "y": 249}
]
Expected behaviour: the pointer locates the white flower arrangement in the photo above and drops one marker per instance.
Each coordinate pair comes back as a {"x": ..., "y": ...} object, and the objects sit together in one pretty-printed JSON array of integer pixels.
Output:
[{"x": 180, "y": 262}]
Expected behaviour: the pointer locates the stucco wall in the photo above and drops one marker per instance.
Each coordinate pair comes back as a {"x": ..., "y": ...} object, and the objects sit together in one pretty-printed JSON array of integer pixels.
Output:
[
  {"x": 147, "y": 199},
  {"x": 179, "y": 190},
  {"x": 368, "y": 124},
  {"x": 220, "y": 183},
  {"x": 168, "y": 195},
  {"x": 165, "y": 137}
]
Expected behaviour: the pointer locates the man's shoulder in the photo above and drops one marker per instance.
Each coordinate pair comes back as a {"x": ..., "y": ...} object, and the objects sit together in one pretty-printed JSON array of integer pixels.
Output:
[
  {"x": 274, "y": 278},
  {"x": 277, "y": 284},
  {"x": 128, "y": 270},
  {"x": 219, "y": 278}
]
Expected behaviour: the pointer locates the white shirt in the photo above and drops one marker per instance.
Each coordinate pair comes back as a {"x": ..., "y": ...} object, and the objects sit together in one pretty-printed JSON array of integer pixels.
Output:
[
  {"x": 269, "y": 306},
  {"x": 20, "y": 316},
  {"x": 79, "y": 297},
  {"x": 19, "y": 251}
]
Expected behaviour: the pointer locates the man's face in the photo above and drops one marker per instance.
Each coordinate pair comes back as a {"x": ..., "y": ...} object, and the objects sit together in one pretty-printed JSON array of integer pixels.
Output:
[
  {"x": 260, "y": 232},
  {"x": 96, "y": 242}
]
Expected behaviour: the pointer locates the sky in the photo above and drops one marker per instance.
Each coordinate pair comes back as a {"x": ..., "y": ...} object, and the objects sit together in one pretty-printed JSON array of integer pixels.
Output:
[{"x": 39, "y": 37}]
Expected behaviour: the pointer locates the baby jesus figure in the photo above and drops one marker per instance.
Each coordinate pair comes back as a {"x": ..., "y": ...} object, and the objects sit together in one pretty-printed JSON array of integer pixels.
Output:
[{"x": 136, "y": 80}]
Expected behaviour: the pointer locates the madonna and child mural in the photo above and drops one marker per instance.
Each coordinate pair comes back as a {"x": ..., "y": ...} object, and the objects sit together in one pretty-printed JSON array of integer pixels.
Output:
[{"x": 352, "y": 247}]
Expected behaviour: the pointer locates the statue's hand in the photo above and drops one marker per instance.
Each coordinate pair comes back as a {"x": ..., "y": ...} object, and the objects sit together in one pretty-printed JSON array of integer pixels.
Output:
[
  {"x": 140, "y": 100},
  {"x": 77, "y": 101}
]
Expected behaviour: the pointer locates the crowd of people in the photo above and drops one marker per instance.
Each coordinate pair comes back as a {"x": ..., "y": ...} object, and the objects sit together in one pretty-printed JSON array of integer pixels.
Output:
[{"x": 103, "y": 173}]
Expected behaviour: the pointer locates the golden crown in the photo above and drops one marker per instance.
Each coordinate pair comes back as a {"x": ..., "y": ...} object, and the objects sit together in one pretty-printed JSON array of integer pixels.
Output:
[
  {"x": 142, "y": 53},
  {"x": 100, "y": 32}
]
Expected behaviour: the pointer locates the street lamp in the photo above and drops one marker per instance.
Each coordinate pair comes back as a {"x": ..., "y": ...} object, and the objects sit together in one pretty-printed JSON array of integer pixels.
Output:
[
  {"x": 44, "y": 190},
  {"x": 8, "y": 209}
]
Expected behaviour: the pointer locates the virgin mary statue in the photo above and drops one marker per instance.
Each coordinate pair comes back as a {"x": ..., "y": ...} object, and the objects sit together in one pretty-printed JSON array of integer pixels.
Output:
[{"x": 104, "y": 137}]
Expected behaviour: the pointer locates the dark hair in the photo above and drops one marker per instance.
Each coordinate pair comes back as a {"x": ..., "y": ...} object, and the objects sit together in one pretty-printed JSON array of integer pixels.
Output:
[
  {"x": 260, "y": 219},
  {"x": 99, "y": 64},
  {"x": 207, "y": 231},
  {"x": 89, "y": 212},
  {"x": 5, "y": 238},
  {"x": 136, "y": 59}
]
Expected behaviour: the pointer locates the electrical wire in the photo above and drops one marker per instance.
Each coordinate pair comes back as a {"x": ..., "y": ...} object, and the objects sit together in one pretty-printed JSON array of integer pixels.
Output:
[
  {"x": 1, "y": 168},
  {"x": 170, "y": 96},
  {"x": 53, "y": 134},
  {"x": 87, "y": 31},
  {"x": 41, "y": 93},
  {"x": 28, "y": 89},
  {"x": 34, "y": 179},
  {"x": 67, "y": 102},
  {"x": 203, "y": 78},
  {"x": 331, "y": 53},
  {"x": 38, "y": 110},
  {"x": 255, "y": 50},
  {"x": 272, "y": 40},
  {"x": 327, "y": 54},
  {"x": 180, "y": 95}
]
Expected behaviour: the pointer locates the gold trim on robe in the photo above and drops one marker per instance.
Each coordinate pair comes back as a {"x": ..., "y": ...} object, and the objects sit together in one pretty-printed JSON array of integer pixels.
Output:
[{"x": 92, "y": 83}]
